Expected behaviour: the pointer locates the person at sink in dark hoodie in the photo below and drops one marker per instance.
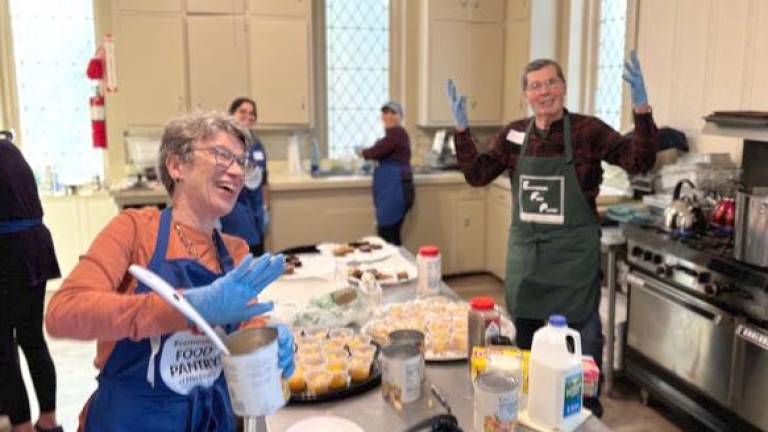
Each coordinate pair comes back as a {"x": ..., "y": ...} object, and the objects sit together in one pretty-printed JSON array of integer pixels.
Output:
[
  {"x": 553, "y": 159},
  {"x": 249, "y": 217},
  {"x": 393, "y": 191}
]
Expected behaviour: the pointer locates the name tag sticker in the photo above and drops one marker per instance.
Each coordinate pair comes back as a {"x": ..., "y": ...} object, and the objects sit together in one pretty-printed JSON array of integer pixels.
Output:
[{"x": 516, "y": 137}]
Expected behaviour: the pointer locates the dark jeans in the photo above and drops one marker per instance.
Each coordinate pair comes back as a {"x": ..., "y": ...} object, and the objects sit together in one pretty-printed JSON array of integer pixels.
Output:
[
  {"x": 591, "y": 331},
  {"x": 391, "y": 233},
  {"x": 21, "y": 325}
]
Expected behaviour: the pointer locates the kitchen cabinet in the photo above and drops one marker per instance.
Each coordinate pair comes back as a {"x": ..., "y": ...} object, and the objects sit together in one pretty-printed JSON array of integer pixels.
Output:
[
  {"x": 518, "y": 9},
  {"x": 301, "y": 8},
  {"x": 516, "y": 48},
  {"x": 463, "y": 41},
  {"x": 218, "y": 66},
  {"x": 149, "y": 49},
  {"x": 149, "y": 5},
  {"x": 498, "y": 217},
  {"x": 215, "y": 6},
  {"x": 469, "y": 233},
  {"x": 280, "y": 72},
  {"x": 430, "y": 221}
]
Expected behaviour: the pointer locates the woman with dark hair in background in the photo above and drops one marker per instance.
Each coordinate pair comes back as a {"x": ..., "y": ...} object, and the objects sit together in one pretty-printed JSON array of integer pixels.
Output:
[
  {"x": 250, "y": 216},
  {"x": 27, "y": 262}
]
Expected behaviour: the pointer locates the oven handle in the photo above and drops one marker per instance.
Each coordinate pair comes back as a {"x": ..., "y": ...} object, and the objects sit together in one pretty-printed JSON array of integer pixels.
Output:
[{"x": 678, "y": 297}]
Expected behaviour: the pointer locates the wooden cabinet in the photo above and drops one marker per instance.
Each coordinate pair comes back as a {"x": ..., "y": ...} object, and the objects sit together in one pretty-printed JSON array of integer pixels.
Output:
[
  {"x": 469, "y": 234},
  {"x": 280, "y": 72},
  {"x": 218, "y": 66},
  {"x": 302, "y": 8},
  {"x": 430, "y": 221},
  {"x": 516, "y": 49},
  {"x": 149, "y": 5},
  {"x": 215, "y": 6},
  {"x": 463, "y": 41},
  {"x": 149, "y": 49},
  {"x": 498, "y": 216}
]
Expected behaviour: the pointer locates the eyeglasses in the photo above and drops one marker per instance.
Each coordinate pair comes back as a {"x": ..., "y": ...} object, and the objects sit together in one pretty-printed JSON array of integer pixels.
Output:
[
  {"x": 552, "y": 83},
  {"x": 224, "y": 158}
]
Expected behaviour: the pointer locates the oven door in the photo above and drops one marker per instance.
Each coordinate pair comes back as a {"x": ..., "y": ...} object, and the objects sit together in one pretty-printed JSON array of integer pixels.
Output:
[
  {"x": 688, "y": 337},
  {"x": 750, "y": 395}
]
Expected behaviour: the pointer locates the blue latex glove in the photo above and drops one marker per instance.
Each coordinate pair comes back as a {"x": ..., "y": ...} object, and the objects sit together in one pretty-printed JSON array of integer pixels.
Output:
[
  {"x": 285, "y": 350},
  {"x": 265, "y": 221},
  {"x": 634, "y": 77},
  {"x": 225, "y": 301},
  {"x": 458, "y": 106}
]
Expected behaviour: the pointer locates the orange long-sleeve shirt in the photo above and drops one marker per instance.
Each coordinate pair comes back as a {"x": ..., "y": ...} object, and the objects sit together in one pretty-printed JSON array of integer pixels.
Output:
[{"x": 98, "y": 300}]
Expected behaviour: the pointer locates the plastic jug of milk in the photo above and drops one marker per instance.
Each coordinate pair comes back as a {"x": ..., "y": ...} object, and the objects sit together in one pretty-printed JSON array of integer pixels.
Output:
[{"x": 555, "y": 381}]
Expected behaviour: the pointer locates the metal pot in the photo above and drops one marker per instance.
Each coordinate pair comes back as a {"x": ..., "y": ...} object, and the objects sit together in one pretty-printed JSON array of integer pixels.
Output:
[{"x": 684, "y": 215}]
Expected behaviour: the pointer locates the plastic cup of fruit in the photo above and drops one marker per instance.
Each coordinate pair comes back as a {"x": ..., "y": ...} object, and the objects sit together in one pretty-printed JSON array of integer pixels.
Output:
[
  {"x": 316, "y": 332},
  {"x": 368, "y": 351},
  {"x": 342, "y": 333},
  {"x": 359, "y": 340},
  {"x": 310, "y": 350},
  {"x": 333, "y": 344},
  {"x": 308, "y": 341},
  {"x": 310, "y": 363},
  {"x": 360, "y": 368},
  {"x": 337, "y": 354},
  {"x": 339, "y": 368},
  {"x": 317, "y": 381},
  {"x": 296, "y": 382}
]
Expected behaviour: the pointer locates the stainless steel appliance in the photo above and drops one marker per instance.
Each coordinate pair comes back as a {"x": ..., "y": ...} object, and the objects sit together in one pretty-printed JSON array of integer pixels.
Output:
[
  {"x": 688, "y": 299},
  {"x": 751, "y": 378},
  {"x": 752, "y": 226}
]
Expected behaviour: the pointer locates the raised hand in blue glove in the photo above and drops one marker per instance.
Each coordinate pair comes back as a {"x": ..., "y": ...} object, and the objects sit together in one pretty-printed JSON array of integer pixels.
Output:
[
  {"x": 285, "y": 350},
  {"x": 226, "y": 300},
  {"x": 458, "y": 106},
  {"x": 634, "y": 77}
]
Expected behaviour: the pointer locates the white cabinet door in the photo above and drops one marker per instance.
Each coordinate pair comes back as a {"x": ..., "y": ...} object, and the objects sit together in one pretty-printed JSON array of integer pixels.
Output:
[
  {"x": 486, "y": 10},
  {"x": 216, "y": 6},
  {"x": 498, "y": 213},
  {"x": 469, "y": 236},
  {"x": 448, "y": 57},
  {"x": 515, "y": 59},
  {"x": 486, "y": 64},
  {"x": 280, "y": 69},
  {"x": 457, "y": 10},
  {"x": 218, "y": 66},
  {"x": 518, "y": 9},
  {"x": 149, "y": 51},
  {"x": 149, "y": 5},
  {"x": 302, "y": 8}
]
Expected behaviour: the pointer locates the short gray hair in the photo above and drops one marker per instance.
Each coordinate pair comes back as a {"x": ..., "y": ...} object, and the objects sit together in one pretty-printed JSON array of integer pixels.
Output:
[
  {"x": 182, "y": 132},
  {"x": 539, "y": 64}
]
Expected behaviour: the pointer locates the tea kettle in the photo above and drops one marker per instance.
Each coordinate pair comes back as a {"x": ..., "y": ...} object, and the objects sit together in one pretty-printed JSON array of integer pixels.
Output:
[
  {"x": 684, "y": 215},
  {"x": 724, "y": 213}
]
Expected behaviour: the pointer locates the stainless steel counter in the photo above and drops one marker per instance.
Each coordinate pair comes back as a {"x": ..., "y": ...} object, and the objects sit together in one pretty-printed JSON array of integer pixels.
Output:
[{"x": 372, "y": 413}]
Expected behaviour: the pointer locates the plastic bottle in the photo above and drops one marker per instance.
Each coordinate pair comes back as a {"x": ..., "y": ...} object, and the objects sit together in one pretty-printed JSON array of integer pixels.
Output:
[
  {"x": 555, "y": 381},
  {"x": 430, "y": 272},
  {"x": 483, "y": 323}
]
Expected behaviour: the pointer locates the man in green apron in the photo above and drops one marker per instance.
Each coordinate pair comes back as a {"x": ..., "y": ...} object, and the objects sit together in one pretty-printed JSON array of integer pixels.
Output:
[{"x": 553, "y": 160}]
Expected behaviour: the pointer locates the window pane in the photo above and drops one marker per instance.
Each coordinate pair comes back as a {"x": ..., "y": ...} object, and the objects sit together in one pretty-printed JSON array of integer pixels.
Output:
[
  {"x": 53, "y": 41},
  {"x": 357, "y": 56},
  {"x": 610, "y": 63}
]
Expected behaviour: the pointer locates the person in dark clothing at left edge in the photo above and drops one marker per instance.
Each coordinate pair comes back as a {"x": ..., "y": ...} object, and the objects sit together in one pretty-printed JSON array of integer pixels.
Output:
[
  {"x": 27, "y": 262},
  {"x": 393, "y": 191}
]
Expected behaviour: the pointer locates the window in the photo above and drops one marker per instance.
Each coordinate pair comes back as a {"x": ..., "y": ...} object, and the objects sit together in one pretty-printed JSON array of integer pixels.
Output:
[
  {"x": 52, "y": 42},
  {"x": 610, "y": 61},
  {"x": 357, "y": 69}
]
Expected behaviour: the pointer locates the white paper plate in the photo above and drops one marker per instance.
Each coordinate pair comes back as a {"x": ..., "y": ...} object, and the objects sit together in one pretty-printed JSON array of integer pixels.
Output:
[
  {"x": 390, "y": 269},
  {"x": 325, "y": 424},
  {"x": 386, "y": 251},
  {"x": 313, "y": 266}
]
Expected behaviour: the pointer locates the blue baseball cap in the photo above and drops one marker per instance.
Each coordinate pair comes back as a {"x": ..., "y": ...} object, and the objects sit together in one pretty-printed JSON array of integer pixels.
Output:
[{"x": 393, "y": 106}]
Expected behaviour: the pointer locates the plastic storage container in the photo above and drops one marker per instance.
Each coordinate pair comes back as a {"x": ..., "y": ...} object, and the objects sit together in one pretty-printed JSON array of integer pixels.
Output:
[
  {"x": 430, "y": 272},
  {"x": 556, "y": 379},
  {"x": 483, "y": 323}
]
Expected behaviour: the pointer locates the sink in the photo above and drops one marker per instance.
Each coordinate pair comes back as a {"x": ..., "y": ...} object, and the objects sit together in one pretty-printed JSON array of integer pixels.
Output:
[{"x": 337, "y": 172}]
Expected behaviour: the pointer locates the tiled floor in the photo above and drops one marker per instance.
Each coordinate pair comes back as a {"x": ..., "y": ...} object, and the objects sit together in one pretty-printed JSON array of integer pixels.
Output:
[{"x": 76, "y": 374}]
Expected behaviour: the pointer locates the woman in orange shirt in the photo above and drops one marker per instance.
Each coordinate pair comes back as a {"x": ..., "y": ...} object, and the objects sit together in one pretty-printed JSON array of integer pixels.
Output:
[{"x": 156, "y": 373}]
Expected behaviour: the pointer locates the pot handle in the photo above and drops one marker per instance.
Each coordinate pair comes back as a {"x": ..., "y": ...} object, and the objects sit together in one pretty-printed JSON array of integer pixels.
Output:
[{"x": 679, "y": 187}]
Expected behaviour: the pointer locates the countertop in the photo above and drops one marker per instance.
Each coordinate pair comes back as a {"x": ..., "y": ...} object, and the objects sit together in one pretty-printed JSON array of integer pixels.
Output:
[{"x": 372, "y": 413}]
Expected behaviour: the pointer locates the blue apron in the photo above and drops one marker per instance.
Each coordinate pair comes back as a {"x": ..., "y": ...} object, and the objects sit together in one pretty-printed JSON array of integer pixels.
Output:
[
  {"x": 388, "y": 192},
  {"x": 247, "y": 221},
  {"x": 169, "y": 383},
  {"x": 14, "y": 225}
]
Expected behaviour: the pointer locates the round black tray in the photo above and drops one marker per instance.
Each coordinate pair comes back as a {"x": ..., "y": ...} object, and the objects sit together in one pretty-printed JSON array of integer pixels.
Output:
[{"x": 355, "y": 388}]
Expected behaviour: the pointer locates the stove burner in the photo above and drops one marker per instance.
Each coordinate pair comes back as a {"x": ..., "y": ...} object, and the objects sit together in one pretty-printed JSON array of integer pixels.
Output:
[{"x": 714, "y": 241}]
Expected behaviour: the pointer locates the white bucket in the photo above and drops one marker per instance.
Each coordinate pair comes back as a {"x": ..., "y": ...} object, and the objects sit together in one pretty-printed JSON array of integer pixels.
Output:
[
  {"x": 252, "y": 373},
  {"x": 555, "y": 380}
]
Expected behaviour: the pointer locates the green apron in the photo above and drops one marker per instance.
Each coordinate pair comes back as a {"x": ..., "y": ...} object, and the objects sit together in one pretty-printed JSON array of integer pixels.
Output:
[{"x": 553, "y": 260}]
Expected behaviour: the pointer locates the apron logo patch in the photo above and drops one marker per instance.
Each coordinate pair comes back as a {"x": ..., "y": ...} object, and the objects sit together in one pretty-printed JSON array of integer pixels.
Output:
[
  {"x": 542, "y": 199},
  {"x": 188, "y": 361}
]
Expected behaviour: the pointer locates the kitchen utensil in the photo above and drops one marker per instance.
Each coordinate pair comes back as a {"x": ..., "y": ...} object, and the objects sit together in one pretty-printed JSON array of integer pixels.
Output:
[
  {"x": 684, "y": 215},
  {"x": 162, "y": 288}
]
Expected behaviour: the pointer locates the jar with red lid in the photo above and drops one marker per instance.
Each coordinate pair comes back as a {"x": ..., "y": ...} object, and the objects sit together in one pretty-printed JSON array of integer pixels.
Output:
[
  {"x": 484, "y": 323},
  {"x": 430, "y": 273}
]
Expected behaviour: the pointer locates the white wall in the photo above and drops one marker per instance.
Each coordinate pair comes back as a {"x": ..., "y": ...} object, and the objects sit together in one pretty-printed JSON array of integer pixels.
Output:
[{"x": 704, "y": 55}]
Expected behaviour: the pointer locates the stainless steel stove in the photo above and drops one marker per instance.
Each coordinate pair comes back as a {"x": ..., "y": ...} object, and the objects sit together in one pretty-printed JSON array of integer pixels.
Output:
[{"x": 697, "y": 333}]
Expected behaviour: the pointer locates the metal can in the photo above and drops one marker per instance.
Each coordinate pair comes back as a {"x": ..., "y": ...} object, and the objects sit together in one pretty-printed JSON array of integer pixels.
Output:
[
  {"x": 401, "y": 374},
  {"x": 496, "y": 402},
  {"x": 410, "y": 337}
]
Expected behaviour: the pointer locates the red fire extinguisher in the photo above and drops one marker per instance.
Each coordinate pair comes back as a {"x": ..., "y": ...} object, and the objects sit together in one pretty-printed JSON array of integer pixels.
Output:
[
  {"x": 103, "y": 59},
  {"x": 98, "y": 122}
]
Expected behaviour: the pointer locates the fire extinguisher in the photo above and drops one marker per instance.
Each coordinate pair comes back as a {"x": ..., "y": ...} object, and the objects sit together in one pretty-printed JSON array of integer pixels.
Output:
[{"x": 98, "y": 121}]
